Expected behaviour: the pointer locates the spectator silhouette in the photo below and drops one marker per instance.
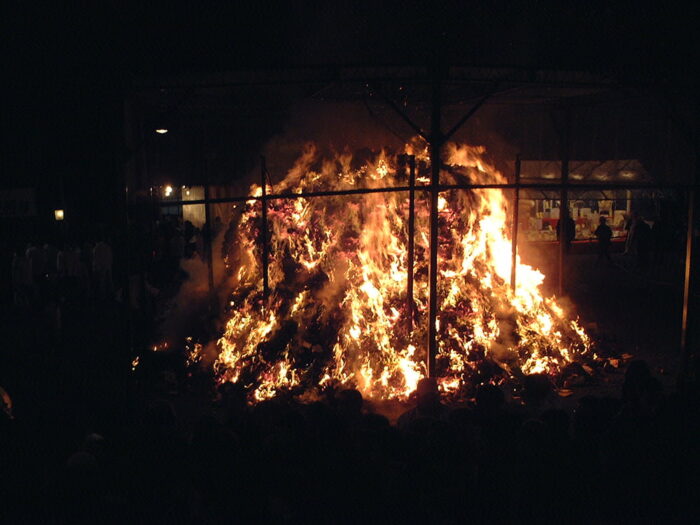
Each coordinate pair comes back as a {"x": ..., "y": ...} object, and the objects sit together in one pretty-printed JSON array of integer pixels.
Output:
[
  {"x": 349, "y": 405},
  {"x": 643, "y": 243},
  {"x": 604, "y": 235},
  {"x": 636, "y": 375},
  {"x": 630, "y": 227},
  {"x": 102, "y": 269},
  {"x": 428, "y": 405},
  {"x": 569, "y": 231}
]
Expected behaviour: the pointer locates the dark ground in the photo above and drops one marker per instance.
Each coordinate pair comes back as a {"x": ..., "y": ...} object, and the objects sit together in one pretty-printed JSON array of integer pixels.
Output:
[{"x": 66, "y": 386}]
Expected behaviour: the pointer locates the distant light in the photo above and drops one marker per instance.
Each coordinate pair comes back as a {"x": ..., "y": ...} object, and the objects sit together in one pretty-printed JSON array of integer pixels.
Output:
[
  {"x": 161, "y": 131},
  {"x": 168, "y": 191},
  {"x": 59, "y": 215},
  {"x": 576, "y": 176},
  {"x": 549, "y": 175},
  {"x": 628, "y": 174}
]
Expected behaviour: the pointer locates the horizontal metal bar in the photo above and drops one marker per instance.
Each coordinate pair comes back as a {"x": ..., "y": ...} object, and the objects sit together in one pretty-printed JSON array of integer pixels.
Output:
[
  {"x": 279, "y": 196},
  {"x": 426, "y": 188},
  {"x": 362, "y": 72},
  {"x": 572, "y": 186},
  {"x": 469, "y": 114}
]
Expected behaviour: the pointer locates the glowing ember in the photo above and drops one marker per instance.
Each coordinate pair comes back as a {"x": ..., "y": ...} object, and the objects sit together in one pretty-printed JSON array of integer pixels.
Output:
[{"x": 336, "y": 314}]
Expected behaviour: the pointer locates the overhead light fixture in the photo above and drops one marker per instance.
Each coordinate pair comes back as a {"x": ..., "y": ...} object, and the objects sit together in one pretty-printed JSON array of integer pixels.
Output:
[
  {"x": 161, "y": 131},
  {"x": 168, "y": 191},
  {"x": 59, "y": 215}
]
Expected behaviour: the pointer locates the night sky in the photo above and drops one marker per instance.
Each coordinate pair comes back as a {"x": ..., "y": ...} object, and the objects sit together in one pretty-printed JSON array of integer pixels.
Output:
[{"x": 68, "y": 66}]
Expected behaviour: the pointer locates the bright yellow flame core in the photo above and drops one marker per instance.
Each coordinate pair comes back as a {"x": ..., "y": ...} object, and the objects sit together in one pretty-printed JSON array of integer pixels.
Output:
[{"x": 337, "y": 310}]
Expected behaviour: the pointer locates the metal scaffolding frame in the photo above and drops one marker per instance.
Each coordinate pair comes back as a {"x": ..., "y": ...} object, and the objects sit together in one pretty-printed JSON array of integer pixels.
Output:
[
  {"x": 490, "y": 79},
  {"x": 435, "y": 190}
]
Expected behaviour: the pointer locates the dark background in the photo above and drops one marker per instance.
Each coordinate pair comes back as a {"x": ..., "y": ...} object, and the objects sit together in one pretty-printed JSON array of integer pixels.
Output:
[
  {"x": 66, "y": 68},
  {"x": 66, "y": 72}
]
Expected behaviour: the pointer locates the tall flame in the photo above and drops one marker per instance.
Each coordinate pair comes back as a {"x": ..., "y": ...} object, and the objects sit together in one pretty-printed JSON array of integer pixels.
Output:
[{"x": 337, "y": 311}]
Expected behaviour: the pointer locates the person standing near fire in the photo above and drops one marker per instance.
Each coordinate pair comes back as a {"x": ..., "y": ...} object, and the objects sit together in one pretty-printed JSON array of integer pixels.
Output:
[
  {"x": 569, "y": 231},
  {"x": 102, "y": 269},
  {"x": 630, "y": 223},
  {"x": 604, "y": 234}
]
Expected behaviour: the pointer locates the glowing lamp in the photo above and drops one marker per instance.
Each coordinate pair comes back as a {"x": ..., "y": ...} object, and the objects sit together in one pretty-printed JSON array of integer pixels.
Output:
[
  {"x": 161, "y": 131},
  {"x": 59, "y": 215},
  {"x": 168, "y": 191}
]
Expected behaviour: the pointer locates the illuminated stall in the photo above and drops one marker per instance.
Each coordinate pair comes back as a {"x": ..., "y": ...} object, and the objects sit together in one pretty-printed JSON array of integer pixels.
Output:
[{"x": 540, "y": 207}]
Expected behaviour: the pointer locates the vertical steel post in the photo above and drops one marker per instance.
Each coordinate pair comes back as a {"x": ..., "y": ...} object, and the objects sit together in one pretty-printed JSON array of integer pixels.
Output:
[
  {"x": 514, "y": 233},
  {"x": 685, "y": 337},
  {"x": 564, "y": 199},
  {"x": 263, "y": 228},
  {"x": 435, "y": 163},
  {"x": 208, "y": 241},
  {"x": 411, "y": 235},
  {"x": 129, "y": 165}
]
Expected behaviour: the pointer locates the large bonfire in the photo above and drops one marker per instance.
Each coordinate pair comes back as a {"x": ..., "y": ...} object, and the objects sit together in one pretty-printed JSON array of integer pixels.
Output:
[{"x": 337, "y": 310}]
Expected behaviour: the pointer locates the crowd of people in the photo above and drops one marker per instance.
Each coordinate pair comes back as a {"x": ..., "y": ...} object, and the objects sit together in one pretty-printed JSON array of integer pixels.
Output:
[
  {"x": 71, "y": 270},
  {"x": 192, "y": 455},
  {"x": 179, "y": 449},
  {"x": 648, "y": 246}
]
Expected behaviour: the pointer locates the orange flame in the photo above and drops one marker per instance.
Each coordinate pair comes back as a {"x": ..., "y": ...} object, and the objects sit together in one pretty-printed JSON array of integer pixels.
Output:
[{"x": 338, "y": 271}]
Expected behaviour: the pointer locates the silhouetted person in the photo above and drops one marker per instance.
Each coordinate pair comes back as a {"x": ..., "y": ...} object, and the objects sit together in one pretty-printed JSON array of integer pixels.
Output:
[
  {"x": 643, "y": 242},
  {"x": 50, "y": 255},
  {"x": 630, "y": 227},
  {"x": 22, "y": 282},
  {"x": 636, "y": 375},
  {"x": 662, "y": 240},
  {"x": 604, "y": 234},
  {"x": 35, "y": 255},
  {"x": 428, "y": 404},
  {"x": 569, "y": 231},
  {"x": 489, "y": 401},
  {"x": 349, "y": 405},
  {"x": 537, "y": 392},
  {"x": 216, "y": 227},
  {"x": 232, "y": 404},
  {"x": 68, "y": 268},
  {"x": 102, "y": 269}
]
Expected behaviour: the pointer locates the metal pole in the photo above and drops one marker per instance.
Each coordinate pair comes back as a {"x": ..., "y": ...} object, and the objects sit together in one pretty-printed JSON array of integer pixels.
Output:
[
  {"x": 516, "y": 206},
  {"x": 435, "y": 162},
  {"x": 129, "y": 167},
  {"x": 415, "y": 127},
  {"x": 411, "y": 235},
  {"x": 685, "y": 336},
  {"x": 208, "y": 243},
  {"x": 469, "y": 114},
  {"x": 564, "y": 200},
  {"x": 263, "y": 229}
]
